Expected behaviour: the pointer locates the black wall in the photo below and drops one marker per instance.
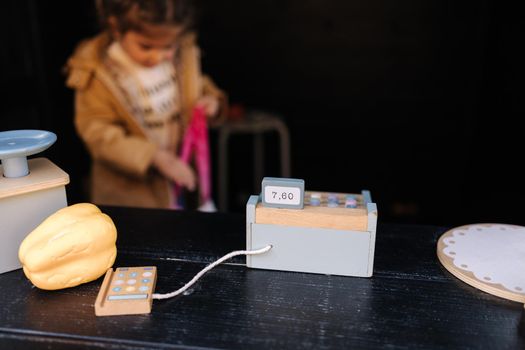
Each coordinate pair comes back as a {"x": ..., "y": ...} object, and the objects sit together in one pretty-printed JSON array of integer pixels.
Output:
[{"x": 418, "y": 101}]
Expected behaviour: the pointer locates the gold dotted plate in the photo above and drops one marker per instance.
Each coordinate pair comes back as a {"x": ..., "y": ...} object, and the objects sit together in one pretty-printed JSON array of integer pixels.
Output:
[{"x": 490, "y": 257}]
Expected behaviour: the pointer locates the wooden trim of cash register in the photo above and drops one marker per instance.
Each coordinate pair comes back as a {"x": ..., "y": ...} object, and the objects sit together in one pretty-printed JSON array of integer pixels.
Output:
[{"x": 340, "y": 218}]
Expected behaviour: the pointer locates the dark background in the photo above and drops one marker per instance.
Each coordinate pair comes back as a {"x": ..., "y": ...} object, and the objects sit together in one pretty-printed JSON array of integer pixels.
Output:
[{"x": 421, "y": 102}]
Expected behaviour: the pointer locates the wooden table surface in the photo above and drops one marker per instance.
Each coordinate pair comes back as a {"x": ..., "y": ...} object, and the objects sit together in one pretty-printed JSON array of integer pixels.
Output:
[{"x": 411, "y": 302}]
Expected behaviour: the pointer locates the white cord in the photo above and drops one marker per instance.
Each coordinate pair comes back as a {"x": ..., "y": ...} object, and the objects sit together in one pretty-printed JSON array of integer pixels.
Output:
[{"x": 208, "y": 268}]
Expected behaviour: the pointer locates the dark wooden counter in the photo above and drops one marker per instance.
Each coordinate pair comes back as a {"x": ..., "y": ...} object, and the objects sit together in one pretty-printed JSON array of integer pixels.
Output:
[{"x": 411, "y": 302}]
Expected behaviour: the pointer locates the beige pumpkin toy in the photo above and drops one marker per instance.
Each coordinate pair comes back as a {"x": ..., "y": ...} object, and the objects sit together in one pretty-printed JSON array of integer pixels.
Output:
[{"x": 75, "y": 245}]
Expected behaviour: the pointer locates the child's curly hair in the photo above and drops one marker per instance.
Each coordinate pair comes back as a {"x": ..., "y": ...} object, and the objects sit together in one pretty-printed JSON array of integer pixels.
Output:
[{"x": 134, "y": 14}]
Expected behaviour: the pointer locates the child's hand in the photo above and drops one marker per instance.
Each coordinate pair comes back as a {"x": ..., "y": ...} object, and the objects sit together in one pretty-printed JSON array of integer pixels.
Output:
[
  {"x": 174, "y": 169},
  {"x": 210, "y": 104}
]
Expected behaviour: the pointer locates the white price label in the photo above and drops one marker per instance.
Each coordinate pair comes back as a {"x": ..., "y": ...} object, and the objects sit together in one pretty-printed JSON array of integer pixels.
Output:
[{"x": 282, "y": 195}]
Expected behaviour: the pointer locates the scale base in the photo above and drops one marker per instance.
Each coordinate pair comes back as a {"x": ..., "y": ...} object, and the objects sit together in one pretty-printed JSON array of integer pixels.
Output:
[{"x": 25, "y": 202}]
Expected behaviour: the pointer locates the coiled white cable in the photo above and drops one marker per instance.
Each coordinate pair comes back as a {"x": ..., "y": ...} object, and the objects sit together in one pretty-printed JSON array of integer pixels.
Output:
[{"x": 208, "y": 268}]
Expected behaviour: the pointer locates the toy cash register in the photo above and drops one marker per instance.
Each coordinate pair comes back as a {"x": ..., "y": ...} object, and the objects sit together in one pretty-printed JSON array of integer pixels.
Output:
[
  {"x": 286, "y": 229},
  {"x": 317, "y": 232}
]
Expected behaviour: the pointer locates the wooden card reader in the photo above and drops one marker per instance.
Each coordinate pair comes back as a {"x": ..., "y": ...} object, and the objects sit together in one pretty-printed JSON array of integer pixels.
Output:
[
  {"x": 126, "y": 291},
  {"x": 334, "y": 233},
  {"x": 30, "y": 191}
]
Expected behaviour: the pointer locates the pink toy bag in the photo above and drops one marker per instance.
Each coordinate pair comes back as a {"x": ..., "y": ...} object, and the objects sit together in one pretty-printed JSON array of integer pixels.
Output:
[{"x": 196, "y": 143}]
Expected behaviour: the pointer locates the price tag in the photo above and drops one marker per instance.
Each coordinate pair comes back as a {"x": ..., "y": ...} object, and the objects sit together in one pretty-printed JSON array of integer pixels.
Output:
[{"x": 283, "y": 193}]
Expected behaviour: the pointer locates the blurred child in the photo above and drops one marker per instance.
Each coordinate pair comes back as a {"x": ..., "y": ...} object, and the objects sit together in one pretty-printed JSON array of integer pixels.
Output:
[{"x": 136, "y": 86}]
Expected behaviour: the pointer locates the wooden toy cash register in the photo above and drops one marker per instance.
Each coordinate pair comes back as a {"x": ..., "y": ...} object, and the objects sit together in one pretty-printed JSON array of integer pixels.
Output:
[
  {"x": 318, "y": 232},
  {"x": 30, "y": 190}
]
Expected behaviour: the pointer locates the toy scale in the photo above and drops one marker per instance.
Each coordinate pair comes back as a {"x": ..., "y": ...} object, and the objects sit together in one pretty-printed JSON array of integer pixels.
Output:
[{"x": 30, "y": 191}]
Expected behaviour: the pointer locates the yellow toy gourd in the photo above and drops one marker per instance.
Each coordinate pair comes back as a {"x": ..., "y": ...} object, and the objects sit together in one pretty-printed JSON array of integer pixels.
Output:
[{"x": 75, "y": 245}]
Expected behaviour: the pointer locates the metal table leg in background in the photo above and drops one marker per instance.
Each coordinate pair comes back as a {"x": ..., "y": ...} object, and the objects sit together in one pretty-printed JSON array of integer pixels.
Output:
[{"x": 256, "y": 123}]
